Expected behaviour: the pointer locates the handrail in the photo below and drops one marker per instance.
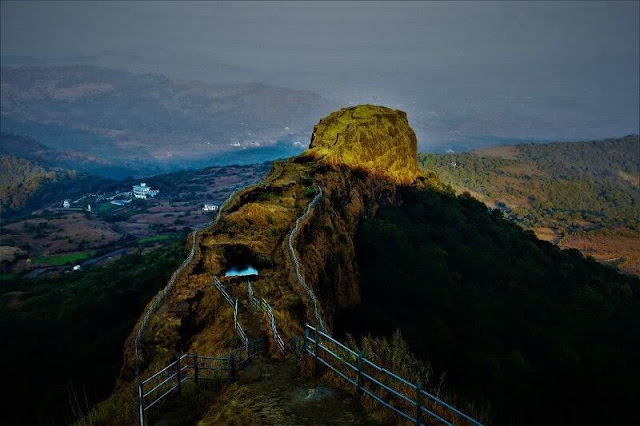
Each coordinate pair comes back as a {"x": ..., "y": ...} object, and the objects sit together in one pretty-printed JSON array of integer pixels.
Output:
[
  {"x": 157, "y": 299},
  {"x": 274, "y": 329},
  {"x": 223, "y": 291},
  {"x": 238, "y": 327},
  {"x": 158, "y": 372},
  {"x": 178, "y": 373},
  {"x": 234, "y": 305},
  {"x": 317, "y": 343},
  {"x": 263, "y": 305},
  {"x": 296, "y": 263}
]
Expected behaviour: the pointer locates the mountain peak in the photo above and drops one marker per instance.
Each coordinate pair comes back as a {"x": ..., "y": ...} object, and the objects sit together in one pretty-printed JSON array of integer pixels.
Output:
[{"x": 368, "y": 137}]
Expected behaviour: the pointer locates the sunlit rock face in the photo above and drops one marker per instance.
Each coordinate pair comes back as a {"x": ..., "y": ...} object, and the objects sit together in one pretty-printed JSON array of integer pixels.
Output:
[{"x": 371, "y": 138}]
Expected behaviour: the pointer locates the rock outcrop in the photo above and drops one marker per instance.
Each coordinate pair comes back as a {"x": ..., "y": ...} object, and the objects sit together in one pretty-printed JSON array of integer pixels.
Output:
[{"x": 367, "y": 137}]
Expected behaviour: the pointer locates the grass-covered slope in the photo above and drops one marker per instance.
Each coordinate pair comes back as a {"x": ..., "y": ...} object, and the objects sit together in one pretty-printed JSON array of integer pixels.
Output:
[{"x": 543, "y": 335}]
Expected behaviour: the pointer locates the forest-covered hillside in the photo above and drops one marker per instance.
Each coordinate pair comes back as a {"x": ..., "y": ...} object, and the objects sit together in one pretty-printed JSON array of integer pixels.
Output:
[
  {"x": 27, "y": 185},
  {"x": 532, "y": 331},
  {"x": 66, "y": 334},
  {"x": 583, "y": 195},
  {"x": 28, "y": 148}
]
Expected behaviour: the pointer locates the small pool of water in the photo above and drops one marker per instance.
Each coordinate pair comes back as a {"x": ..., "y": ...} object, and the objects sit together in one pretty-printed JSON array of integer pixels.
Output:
[{"x": 235, "y": 272}]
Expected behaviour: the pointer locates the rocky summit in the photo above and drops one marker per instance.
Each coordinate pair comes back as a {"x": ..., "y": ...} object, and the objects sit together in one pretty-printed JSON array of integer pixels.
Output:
[{"x": 368, "y": 137}]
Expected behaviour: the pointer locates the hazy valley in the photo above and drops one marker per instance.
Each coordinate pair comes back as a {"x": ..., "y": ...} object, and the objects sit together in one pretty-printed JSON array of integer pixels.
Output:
[{"x": 146, "y": 123}]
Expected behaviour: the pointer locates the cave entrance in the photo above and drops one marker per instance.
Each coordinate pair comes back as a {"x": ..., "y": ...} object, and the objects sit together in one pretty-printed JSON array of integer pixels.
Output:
[
  {"x": 239, "y": 271},
  {"x": 241, "y": 261}
]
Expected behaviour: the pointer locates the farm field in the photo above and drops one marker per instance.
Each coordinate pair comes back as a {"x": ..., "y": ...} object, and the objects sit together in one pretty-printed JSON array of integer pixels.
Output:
[
  {"x": 153, "y": 239},
  {"x": 63, "y": 259},
  {"x": 54, "y": 238}
]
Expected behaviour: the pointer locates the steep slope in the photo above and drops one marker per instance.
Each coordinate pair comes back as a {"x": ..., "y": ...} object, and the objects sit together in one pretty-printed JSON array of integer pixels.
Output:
[
  {"x": 513, "y": 322},
  {"x": 377, "y": 141},
  {"x": 361, "y": 162}
]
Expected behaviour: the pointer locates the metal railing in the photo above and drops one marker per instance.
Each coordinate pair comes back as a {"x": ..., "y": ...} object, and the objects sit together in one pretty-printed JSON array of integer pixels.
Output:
[
  {"x": 262, "y": 305},
  {"x": 158, "y": 298},
  {"x": 296, "y": 263},
  {"x": 406, "y": 399},
  {"x": 234, "y": 305},
  {"x": 191, "y": 367},
  {"x": 223, "y": 291},
  {"x": 237, "y": 326}
]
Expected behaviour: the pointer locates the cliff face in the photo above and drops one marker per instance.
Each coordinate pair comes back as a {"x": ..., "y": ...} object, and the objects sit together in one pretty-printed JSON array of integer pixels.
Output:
[
  {"x": 360, "y": 157},
  {"x": 375, "y": 139}
]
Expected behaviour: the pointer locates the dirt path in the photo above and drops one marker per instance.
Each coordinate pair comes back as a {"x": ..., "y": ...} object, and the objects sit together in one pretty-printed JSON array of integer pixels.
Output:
[{"x": 270, "y": 393}]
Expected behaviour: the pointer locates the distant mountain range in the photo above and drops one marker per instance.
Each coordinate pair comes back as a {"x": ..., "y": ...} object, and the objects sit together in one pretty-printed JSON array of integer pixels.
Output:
[
  {"x": 147, "y": 122},
  {"x": 30, "y": 149}
]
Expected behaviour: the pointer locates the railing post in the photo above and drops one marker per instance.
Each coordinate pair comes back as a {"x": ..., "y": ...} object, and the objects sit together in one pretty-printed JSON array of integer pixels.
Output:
[
  {"x": 196, "y": 368},
  {"x": 178, "y": 373},
  {"x": 235, "y": 315},
  {"x": 317, "y": 353},
  {"x": 141, "y": 404},
  {"x": 418, "y": 402},
  {"x": 359, "y": 381},
  {"x": 305, "y": 343}
]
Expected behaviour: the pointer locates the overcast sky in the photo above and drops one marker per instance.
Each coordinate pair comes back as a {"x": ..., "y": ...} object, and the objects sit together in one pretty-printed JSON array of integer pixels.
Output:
[{"x": 563, "y": 65}]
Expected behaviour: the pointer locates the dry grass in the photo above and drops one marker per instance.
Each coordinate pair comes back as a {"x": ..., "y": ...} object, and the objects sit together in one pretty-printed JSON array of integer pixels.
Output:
[
  {"x": 506, "y": 151},
  {"x": 255, "y": 226},
  {"x": 547, "y": 234},
  {"x": 619, "y": 248},
  {"x": 394, "y": 355},
  {"x": 275, "y": 394}
]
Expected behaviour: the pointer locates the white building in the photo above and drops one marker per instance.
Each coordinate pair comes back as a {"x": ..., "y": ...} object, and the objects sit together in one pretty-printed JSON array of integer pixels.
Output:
[
  {"x": 143, "y": 191},
  {"x": 66, "y": 204},
  {"x": 210, "y": 207}
]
